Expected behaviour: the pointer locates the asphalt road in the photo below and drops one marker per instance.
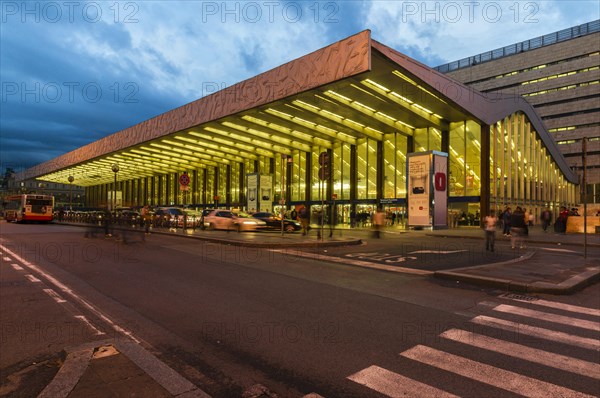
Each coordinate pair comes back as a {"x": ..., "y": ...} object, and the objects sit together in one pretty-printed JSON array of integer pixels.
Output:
[{"x": 230, "y": 317}]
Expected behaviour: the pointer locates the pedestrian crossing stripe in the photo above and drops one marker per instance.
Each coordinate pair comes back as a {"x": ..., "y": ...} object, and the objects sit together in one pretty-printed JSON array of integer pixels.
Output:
[
  {"x": 500, "y": 378},
  {"x": 541, "y": 357},
  {"x": 534, "y": 331},
  {"x": 393, "y": 384},
  {"x": 561, "y": 306},
  {"x": 564, "y": 320}
]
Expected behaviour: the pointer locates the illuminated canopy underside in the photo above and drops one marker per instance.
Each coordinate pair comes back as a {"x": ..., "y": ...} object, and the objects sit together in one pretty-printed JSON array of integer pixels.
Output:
[{"x": 353, "y": 89}]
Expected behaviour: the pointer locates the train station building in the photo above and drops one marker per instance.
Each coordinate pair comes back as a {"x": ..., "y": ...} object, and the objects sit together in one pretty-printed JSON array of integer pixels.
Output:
[{"x": 369, "y": 108}]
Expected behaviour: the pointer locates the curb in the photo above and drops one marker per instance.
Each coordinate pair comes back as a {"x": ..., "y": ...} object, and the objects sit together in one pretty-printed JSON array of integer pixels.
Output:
[
  {"x": 232, "y": 242},
  {"x": 503, "y": 238},
  {"x": 79, "y": 357},
  {"x": 570, "y": 286}
]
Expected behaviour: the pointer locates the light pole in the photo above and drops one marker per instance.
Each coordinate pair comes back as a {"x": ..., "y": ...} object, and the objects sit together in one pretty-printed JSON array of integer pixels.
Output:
[
  {"x": 71, "y": 179},
  {"x": 115, "y": 169}
]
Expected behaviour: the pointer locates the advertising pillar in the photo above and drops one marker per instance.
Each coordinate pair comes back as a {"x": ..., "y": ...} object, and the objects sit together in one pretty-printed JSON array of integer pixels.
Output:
[{"x": 427, "y": 196}]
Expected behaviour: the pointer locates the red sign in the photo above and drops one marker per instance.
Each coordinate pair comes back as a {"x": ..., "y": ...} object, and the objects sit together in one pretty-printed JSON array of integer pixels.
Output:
[
  {"x": 184, "y": 179},
  {"x": 334, "y": 196},
  {"x": 440, "y": 181}
]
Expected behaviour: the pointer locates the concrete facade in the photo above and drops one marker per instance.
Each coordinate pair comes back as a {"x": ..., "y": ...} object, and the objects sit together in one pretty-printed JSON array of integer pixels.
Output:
[{"x": 560, "y": 78}]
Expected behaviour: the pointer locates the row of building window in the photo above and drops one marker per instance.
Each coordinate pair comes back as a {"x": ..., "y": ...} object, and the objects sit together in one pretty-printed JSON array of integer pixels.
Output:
[{"x": 542, "y": 66}]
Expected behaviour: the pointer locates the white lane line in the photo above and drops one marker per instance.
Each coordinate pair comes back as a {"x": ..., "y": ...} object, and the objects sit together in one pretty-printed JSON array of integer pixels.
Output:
[
  {"x": 55, "y": 296},
  {"x": 534, "y": 331},
  {"x": 491, "y": 375},
  {"x": 395, "y": 385},
  {"x": 560, "y": 306},
  {"x": 64, "y": 288},
  {"x": 83, "y": 319},
  {"x": 16, "y": 267},
  {"x": 545, "y": 316},
  {"x": 437, "y": 251},
  {"x": 550, "y": 359},
  {"x": 6, "y": 258},
  {"x": 559, "y": 250},
  {"x": 346, "y": 261},
  {"x": 32, "y": 278}
]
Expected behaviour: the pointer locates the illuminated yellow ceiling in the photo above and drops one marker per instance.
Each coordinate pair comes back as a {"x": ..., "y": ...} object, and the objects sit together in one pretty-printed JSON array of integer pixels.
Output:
[{"x": 382, "y": 101}]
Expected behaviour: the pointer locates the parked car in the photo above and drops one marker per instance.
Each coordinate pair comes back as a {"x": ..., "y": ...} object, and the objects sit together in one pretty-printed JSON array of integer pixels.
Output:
[
  {"x": 228, "y": 220},
  {"x": 274, "y": 222},
  {"x": 169, "y": 217}
]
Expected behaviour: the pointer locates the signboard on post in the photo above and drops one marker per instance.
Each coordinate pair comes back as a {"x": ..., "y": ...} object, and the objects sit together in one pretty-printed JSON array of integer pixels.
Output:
[{"x": 427, "y": 189}]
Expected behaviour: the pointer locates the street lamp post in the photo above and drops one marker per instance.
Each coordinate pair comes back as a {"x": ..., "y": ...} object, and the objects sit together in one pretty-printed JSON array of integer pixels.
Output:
[
  {"x": 115, "y": 169},
  {"x": 71, "y": 179}
]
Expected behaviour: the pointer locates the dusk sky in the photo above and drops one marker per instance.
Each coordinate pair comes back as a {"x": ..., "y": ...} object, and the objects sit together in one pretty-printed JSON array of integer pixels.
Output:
[{"x": 75, "y": 71}]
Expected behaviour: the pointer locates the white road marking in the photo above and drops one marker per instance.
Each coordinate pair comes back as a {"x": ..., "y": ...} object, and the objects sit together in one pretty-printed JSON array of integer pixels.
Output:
[
  {"x": 559, "y": 250},
  {"x": 487, "y": 374},
  {"x": 550, "y": 359},
  {"x": 564, "y": 320},
  {"x": 395, "y": 385},
  {"x": 437, "y": 251},
  {"x": 65, "y": 289},
  {"x": 55, "y": 296},
  {"x": 17, "y": 267},
  {"x": 83, "y": 319},
  {"x": 560, "y": 306},
  {"x": 6, "y": 258},
  {"x": 343, "y": 260},
  {"x": 534, "y": 331},
  {"x": 32, "y": 278}
]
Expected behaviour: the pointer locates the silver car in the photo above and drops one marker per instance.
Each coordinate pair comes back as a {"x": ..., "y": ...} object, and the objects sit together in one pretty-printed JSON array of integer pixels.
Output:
[{"x": 228, "y": 220}]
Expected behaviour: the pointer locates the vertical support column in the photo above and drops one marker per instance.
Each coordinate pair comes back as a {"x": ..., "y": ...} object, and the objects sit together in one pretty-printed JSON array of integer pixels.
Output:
[
  {"x": 353, "y": 177},
  {"x": 308, "y": 178},
  {"x": 242, "y": 179},
  {"x": 288, "y": 181},
  {"x": 329, "y": 191},
  {"x": 215, "y": 187},
  {"x": 485, "y": 186},
  {"x": 380, "y": 173},
  {"x": 204, "y": 188},
  {"x": 228, "y": 185},
  {"x": 161, "y": 193}
]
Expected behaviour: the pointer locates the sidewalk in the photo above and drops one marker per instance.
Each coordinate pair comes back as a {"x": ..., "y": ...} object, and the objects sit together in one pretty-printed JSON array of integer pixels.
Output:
[{"x": 538, "y": 270}]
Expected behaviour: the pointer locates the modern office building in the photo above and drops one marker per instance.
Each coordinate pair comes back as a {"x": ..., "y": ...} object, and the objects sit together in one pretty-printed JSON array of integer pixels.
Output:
[
  {"x": 559, "y": 74},
  {"x": 363, "y": 104}
]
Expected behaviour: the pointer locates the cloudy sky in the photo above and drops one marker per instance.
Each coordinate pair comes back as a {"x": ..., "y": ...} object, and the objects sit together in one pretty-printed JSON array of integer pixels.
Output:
[{"x": 72, "y": 72}]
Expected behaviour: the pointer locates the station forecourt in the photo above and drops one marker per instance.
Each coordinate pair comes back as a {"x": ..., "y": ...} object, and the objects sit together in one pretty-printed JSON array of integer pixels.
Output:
[{"x": 259, "y": 143}]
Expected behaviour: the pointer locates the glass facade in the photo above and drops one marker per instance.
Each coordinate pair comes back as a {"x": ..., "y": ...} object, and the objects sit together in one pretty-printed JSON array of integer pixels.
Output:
[{"x": 521, "y": 172}]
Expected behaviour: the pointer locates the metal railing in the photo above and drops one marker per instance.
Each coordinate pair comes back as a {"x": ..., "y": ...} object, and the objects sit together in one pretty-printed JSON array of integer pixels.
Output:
[{"x": 541, "y": 41}]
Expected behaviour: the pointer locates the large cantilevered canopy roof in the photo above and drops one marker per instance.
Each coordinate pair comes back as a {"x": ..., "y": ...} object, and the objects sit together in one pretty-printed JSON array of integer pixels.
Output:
[{"x": 353, "y": 89}]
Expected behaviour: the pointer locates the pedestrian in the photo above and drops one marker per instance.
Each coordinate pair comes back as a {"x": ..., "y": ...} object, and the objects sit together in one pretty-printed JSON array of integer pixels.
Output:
[
  {"x": 378, "y": 223},
  {"x": 294, "y": 214},
  {"x": 147, "y": 218},
  {"x": 490, "y": 223},
  {"x": 546, "y": 218},
  {"x": 304, "y": 219},
  {"x": 506, "y": 221},
  {"x": 560, "y": 226},
  {"x": 517, "y": 228}
]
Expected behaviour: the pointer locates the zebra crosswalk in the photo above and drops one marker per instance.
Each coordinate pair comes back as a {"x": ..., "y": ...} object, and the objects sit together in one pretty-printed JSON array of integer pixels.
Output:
[{"x": 493, "y": 363}]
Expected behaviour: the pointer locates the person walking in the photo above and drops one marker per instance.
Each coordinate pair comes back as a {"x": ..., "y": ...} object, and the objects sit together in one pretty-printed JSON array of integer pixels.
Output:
[
  {"x": 546, "y": 218},
  {"x": 517, "y": 228},
  {"x": 304, "y": 219},
  {"x": 378, "y": 223},
  {"x": 146, "y": 217},
  {"x": 506, "y": 215},
  {"x": 490, "y": 223}
]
